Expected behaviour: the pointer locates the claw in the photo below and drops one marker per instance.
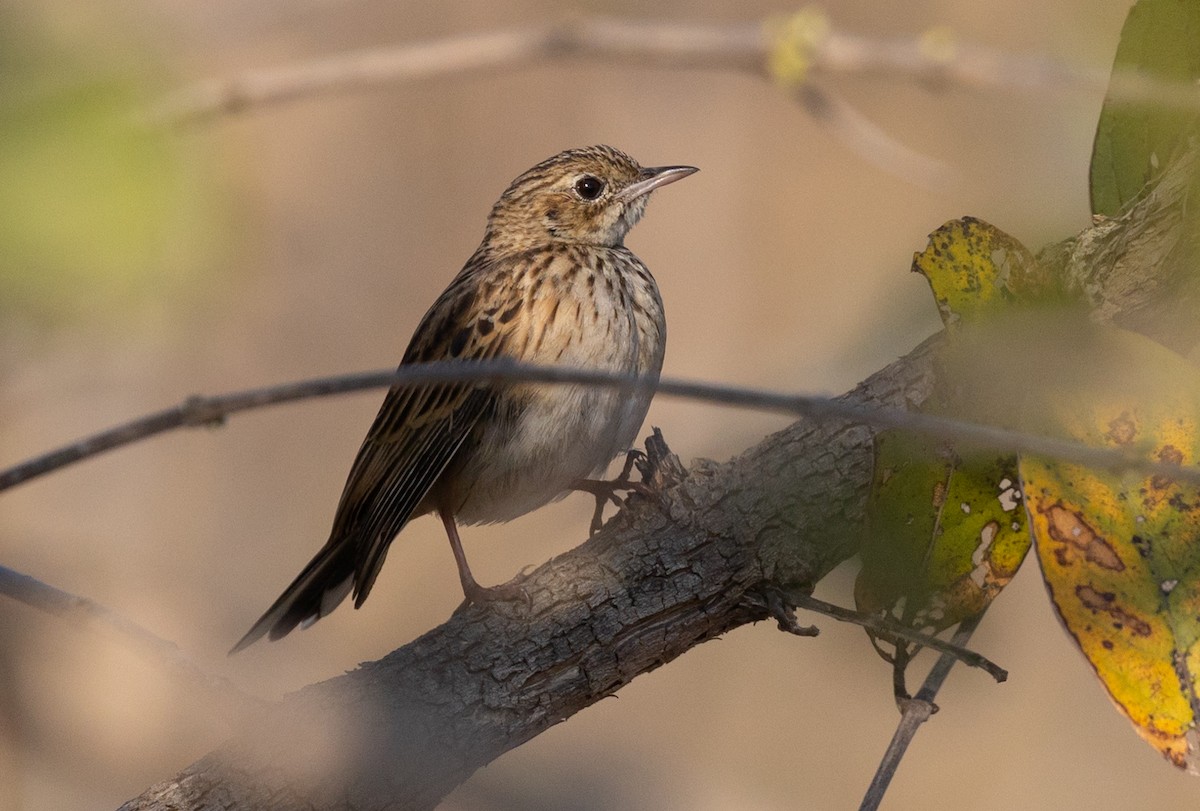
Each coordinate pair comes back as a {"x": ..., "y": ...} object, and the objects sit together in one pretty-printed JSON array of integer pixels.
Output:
[{"x": 606, "y": 490}]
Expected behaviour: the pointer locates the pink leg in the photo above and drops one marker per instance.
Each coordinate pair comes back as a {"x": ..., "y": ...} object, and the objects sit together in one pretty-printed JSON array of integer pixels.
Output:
[{"x": 474, "y": 592}]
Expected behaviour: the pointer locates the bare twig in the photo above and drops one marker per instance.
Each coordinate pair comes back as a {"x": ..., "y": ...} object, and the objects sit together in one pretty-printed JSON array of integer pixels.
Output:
[
  {"x": 207, "y": 411},
  {"x": 743, "y": 47},
  {"x": 916, "y": 712},
  {"x": 884, "y": 626},
  {"x": 84, "y": 612}
]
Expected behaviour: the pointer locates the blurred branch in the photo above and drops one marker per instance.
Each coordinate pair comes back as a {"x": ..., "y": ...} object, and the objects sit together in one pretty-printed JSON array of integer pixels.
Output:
[
  {"x": 197, "y": 411},
  {"x": 917, "y": 710},
  {"x": 200, "y": 411},
  {"x": 87, "y": 613},
  {"x": 746, "y": 47},
  {"x": 708, "y": 551},
  {"x": 796, "y": 52},
  {"x": 736, "y": 47},
  {"x": 871, "y": 142},
  {"x": 799, "y": 48}
]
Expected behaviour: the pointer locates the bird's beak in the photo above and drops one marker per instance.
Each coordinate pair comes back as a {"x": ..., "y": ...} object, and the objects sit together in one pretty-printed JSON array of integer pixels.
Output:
[{"x": 653, "y": 177}]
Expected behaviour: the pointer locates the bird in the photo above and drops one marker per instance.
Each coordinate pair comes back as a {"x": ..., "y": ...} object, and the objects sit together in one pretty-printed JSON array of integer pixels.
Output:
[{"x": 550, "y": 283}]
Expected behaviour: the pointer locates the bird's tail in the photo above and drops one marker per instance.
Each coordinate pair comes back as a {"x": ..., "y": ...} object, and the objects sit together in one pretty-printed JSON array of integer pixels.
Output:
[{"x": 323, "y": 584}]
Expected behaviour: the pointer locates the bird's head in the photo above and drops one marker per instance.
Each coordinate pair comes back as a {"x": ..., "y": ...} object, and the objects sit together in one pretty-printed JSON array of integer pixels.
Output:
[{"x": 588, "y": 196}]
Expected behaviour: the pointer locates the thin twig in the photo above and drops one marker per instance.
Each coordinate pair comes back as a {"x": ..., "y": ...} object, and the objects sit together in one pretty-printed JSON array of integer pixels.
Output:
[
  {"x": 916, "y": 712},
  {"x": 208, "y": 411},
  {"x": 884, "y": 626},
  {"x": 871, "y": 142},
  {"x": 805, "y": 45},
  {"x": 84, "y": 612}
]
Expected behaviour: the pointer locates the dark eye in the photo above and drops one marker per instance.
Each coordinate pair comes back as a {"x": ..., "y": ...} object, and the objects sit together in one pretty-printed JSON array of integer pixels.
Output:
[{"x": 588, "y": 187}]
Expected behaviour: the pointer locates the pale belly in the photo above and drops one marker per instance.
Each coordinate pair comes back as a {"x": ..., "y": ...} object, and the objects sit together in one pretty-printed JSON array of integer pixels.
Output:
[
  {"x": 554, "y": 435},
  {"x": 562, "y": 437}
]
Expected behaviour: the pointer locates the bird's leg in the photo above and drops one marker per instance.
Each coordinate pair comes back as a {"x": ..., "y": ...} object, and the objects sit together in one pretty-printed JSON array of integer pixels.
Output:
[
  {"x": 474, "y": 592},
  {"x": 606, "y": 490}
]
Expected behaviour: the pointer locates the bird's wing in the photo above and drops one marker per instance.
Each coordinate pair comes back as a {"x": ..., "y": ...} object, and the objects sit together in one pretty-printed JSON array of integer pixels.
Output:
[
  {"x": 417, "y": 431},
  {"x": 414, "y": 437}
]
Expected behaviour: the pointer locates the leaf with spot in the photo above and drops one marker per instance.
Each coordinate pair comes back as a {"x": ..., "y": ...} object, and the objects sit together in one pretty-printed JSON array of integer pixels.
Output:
[
  {"x": 1136, "y": 140},
  {"x": 974, "y": 270},
  {"x": 946, "y": 534},
  {"x": 1120, "y": 550},
  {"x": 946, "y": 528}
]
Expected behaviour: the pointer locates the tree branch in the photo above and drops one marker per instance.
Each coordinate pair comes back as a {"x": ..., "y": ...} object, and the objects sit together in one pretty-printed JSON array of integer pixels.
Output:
[
  {"x": 666, "y": 574},
  {"x": 669, "y": 572},
  {"x": 885, "y": 626},
  {"x": 917, "y": 710},
  {"x": 736, "y": 47}
]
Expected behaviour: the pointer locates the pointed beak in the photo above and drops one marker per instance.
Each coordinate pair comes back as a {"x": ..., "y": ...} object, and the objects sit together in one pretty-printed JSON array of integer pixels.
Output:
[{"x": 653, "y": 177}]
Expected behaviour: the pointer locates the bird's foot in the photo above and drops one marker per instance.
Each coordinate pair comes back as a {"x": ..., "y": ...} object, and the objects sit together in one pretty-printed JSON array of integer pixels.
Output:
[
  {"x": 606, "y": 490},
  {"x": 509, "y": 592}
]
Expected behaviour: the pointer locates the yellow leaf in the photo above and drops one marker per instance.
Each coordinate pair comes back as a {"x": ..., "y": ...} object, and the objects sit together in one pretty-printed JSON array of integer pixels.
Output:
[
  {"x": 975, "y": 268},
  {"x": 1120, "y": 550}
]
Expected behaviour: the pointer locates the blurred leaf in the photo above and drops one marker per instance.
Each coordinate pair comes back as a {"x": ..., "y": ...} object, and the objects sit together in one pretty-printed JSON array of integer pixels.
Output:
[
  {"x": 96, "y": 212},
  {"x": 1120, "y": 551},
  {"x": 1136, "y": 141}
]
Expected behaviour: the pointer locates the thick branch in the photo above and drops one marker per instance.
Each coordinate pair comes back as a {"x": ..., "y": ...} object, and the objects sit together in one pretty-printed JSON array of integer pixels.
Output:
[
  {"x": 712, "y": 551},
  {"x": 1137, "y": 270},
  {"x": 663, "y": 576}
]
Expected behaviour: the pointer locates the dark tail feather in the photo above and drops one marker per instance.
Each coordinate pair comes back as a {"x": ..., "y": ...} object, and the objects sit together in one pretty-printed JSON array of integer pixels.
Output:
[{"x": 323, "y": 584}]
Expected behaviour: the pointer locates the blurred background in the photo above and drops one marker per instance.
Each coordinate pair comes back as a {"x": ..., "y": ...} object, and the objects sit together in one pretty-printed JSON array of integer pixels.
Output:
[{"x": 307, "y": 239}]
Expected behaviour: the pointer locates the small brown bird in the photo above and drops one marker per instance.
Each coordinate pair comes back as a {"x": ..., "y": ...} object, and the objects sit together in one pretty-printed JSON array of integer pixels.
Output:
[{"x": 551, "y": 283}]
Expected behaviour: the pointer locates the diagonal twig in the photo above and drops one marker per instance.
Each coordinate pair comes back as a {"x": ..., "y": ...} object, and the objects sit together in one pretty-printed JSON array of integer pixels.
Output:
[
  {"x": 884, "y": 626},
  {"x": 917, "y": 711}
]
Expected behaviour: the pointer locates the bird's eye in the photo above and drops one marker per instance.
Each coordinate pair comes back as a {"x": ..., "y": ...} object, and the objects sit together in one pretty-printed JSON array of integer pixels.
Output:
[{"x": 588, "y": 187}]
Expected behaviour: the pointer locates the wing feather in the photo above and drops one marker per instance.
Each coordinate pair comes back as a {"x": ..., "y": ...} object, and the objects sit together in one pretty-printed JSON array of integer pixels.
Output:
[
  {"x": 413, "y": 439},
  {"x": 417, "y": 431}
]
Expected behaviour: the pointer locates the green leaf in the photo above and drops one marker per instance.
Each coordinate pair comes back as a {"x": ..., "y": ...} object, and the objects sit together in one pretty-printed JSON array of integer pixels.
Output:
[
  {"x": 1135, "y": 141},
  {"x": 946, "y": 529},
  {"x": 947, "y": 532}
]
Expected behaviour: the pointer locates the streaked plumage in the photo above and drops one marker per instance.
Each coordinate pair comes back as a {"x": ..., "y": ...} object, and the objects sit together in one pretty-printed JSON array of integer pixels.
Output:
[{"x": 552, "y": 282}]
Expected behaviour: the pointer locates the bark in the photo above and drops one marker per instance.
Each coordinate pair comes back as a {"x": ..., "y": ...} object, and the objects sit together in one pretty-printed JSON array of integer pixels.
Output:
[{"x": 709, "y": 551}]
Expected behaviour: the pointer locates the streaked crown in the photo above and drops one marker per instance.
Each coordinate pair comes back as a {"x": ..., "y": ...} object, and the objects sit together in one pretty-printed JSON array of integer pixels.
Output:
[{"x": 588, "y": 196}]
